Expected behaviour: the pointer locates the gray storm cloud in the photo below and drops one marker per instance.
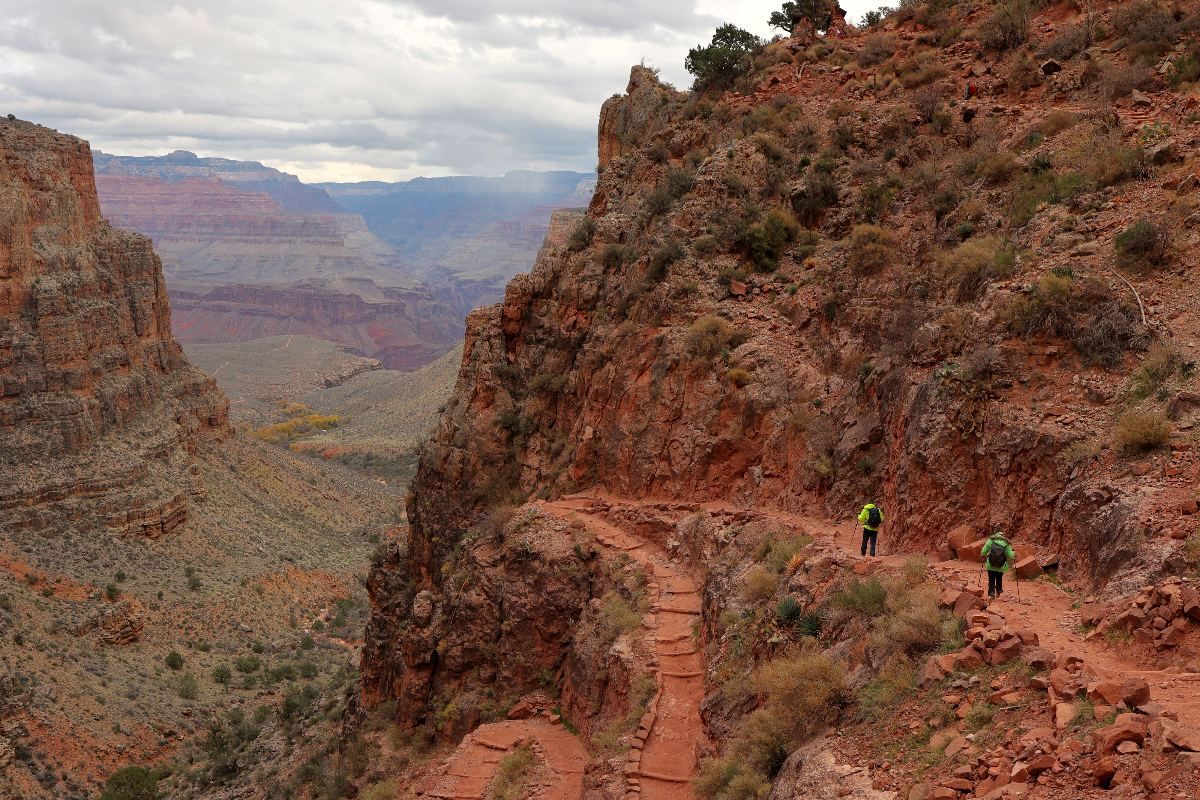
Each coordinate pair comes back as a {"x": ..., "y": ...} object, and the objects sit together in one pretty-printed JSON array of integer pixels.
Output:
[{"x": 357, "y": 89}]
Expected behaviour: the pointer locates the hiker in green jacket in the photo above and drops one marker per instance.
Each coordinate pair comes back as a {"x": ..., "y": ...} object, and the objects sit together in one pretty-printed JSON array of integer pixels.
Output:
[
  {"x": 871, "y": 518},
  {"x": 998, "y": 557}
]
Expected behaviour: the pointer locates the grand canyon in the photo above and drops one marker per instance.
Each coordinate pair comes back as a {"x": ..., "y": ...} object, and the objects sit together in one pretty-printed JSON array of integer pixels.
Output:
[{"x": 274, "y": 527}]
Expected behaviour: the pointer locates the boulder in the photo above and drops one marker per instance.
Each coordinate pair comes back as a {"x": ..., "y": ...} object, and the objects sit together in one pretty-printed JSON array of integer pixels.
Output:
[
  {"x": 960, "y": 537},
  {"x": 1006, "y": 650},
  {"x": 932, "y": 673},
  {"x": 1027, "y": 568},
  {"x": 737, "y": 288},
  {"x": 969, "y": 659},
  {"x": 1038, "y": 657},
  {"x": 970, "y": 551},
  {"x": 1125, "y": 729},
  {"x": 1181, "y": 736},
  {"x": 1064, "y": 715},
  {"x": 968, "y": 602},
  {"x": 1135, "y": 692}
]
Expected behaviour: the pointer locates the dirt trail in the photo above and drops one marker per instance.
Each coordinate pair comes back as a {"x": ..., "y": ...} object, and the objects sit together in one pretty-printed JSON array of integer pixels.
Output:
[
  {"x": 663, "y": 766},
  {"x": 469, "y": 772},
  {"x": 668, "y": 759},
  {"x": 1041, "y": 607}
]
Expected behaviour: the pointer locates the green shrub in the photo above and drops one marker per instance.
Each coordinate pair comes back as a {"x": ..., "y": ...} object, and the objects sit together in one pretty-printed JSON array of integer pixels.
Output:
[
  {"x": 547, "y": 382},
  {"x": 865, "y": 597},
  {"x": 112, "y": 591},
  {"x": 174, "y": 660},
  {"x": 675, "y": 185},
  {"x": 617, "y": 616},
  {"x": 1139, "y": 431},
  {"x": 1161, "y": 364},
  {"x": 788, "y": 612},
  {"x": 188, "y": 687},
  {"x": 727, "y": 779},
  {"x": 871, "y": 249},
  {"x": 131, "y": 783},
  {"x": 820, "y": 192},
  {"x": 1008, "y": 25},
  {"x": 766, "y": 241},
  {"x": 726, "y": 57},
  {"x": 876, "y": 49},
  {"x": 222, "y": 675},
  {"x": 1147, "y": 29},
  {"x": 793, "y": 12},
  {"x": 880, "y": 696},
  {"x": 581, "y": 236},
  {"x": 614, "y": 255},
  {"x": 998, "y": 167},
  {"x": 247, "y": 664},
  {"x": 1141, "y": 245},
  {"x": 662, "y": 259}
]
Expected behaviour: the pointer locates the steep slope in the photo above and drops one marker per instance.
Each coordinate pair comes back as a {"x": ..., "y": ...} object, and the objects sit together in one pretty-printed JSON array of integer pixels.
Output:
[
  {"x": 913, "y": 266},
  {"x": 146, "y": 550},
  {"x": 465, "y": 235},
  {"x": 251, "y": 252}
]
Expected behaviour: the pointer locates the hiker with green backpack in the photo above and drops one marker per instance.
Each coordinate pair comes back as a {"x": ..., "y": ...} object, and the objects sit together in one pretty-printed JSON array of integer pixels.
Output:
[
  {"x": 871, "y": 518},
  {"x": 998, "y": 557}
]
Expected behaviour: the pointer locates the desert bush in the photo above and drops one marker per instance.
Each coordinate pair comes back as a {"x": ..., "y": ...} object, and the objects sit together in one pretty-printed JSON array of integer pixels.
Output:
[
  {"x": 879, "y": 696},
  {"x": 1023, "y": 74},
  {"x": 1161, "y": 364},
  {"x": 871, "y": 249},
  {"x": 581, "y": 235},
  {"x": 1056, "y": 122},
  {"x": 1142, "y": 245},
  {"x": 1008, "y": 25},
  {"x": 384, "y": 790},
  {"x": 819, "y": 193},
  {"x": 920, "y": 69},
  {"x": 766, "y": 240},
  {"x": 131, "y": 783},
  {"x": 974, "y": 264},
  {"x": 188, "y": 687},
  {"x": 709, "y": 335},
  {"x": 727, "y": 779},
  {"x": 512, "y": 776},
  {"x": 1067, "y": 44},
  {"x": 174, "y": 660},
  {"x": 222, "y": 675},
  {"x": 112, "y": 591},
  {"x": 864, "y": 597},
  {"x": 997, "y": 168},
  {"x": 1139, "y": 431},
  {"x": 759, "y": 584},
  {"x": 1147, "y": 29},
  {"x": 247, "y": 664},
  {"x": 739, "y": 377},
  {"x": 726, "y": 57},
  {"x": 547, "y": 382},
  {"x": 804, "y": 690},
  {"x": 614, "y": 255},
  {"x": 911, "y": 625},
  {"x": 1105, "y": 160},
  {"x": 1046, "y": 309},
  {"x": 1119, "y": 81},
  {"x": 673, "y": 186},
  {"x": 617, "y": 616},
  {"x": 877, "y": 48}
]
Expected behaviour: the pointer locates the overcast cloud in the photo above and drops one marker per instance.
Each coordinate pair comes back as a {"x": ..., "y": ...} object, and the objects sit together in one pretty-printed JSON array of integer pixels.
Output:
[{"x": 348, "y": 89}]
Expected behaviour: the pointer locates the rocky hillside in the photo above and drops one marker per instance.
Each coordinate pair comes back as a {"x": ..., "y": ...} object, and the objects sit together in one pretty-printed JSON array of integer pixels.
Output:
[
  {"x": 147, "y": 551},
  {"x": 252, "y": 252},
  {"x": 943, "y": 264}
]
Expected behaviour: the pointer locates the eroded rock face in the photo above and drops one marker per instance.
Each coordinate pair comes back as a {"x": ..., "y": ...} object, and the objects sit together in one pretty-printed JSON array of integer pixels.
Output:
[{"x": 100, "y": 414}]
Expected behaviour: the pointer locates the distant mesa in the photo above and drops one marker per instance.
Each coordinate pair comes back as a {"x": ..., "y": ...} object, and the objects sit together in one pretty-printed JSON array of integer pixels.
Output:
[{"x": 390, "y": 270}]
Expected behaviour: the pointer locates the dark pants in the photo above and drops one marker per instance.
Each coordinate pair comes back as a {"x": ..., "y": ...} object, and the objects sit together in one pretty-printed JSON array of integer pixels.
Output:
[
  {"x": 995, "y": 583},
  {"x": 869, "y": 536}
]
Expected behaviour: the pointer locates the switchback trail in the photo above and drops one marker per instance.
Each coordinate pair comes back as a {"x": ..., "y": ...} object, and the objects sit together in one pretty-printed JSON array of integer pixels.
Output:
[
  {"x": 667, "y": 761},
  {"x": 663, "y": 760}
]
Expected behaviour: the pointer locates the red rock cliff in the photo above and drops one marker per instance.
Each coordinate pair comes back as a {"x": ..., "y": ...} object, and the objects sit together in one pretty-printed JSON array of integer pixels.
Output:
[{"x": 100, "y": 413}]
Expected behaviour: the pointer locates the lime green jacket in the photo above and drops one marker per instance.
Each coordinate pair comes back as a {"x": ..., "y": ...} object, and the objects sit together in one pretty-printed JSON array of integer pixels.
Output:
[
  {"x": 1010, "y": 556},
  {"x": 865, "y": 514}
]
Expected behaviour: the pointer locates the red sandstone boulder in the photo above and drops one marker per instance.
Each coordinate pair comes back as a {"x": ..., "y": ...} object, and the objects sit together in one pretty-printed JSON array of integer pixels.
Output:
[
  {"x": 1027, "y": 568},
  {"x": 1125, "y": 729}
]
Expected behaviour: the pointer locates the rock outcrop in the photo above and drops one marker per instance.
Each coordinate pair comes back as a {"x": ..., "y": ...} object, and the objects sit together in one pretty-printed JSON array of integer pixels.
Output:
[{"x": 100, "y": 413}]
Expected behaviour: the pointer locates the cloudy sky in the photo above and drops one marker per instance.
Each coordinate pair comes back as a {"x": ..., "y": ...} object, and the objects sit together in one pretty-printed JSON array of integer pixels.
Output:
[{"x": 348, "y": 89}]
